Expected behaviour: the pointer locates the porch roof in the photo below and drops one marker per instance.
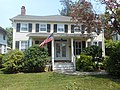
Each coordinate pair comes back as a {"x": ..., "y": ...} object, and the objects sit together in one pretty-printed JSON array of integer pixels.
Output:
[{"x": 66, "y": 35}]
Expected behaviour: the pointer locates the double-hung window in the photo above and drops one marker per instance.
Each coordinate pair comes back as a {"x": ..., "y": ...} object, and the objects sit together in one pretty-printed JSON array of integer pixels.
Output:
[
  {"x": 24, "y": 45},
  {"x": 24, "y": 27},
  {"x": 76, "y": 29},
  {"x": 43, "y": 28},
  {"x": 60, "y": 28}
]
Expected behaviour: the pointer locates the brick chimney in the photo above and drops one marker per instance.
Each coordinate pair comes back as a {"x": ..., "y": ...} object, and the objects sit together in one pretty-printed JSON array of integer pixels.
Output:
[{"x": 23, "y": 10}]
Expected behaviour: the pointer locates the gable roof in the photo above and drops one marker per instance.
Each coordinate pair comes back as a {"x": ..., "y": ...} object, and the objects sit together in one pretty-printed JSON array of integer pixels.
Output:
[
  {"x": 2, "y": 30},
  {"x": 51, "y": 18}
]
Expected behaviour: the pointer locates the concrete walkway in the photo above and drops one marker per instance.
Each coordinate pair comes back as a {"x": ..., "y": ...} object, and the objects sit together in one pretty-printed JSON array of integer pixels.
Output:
[{"x": 84, "y": 73}]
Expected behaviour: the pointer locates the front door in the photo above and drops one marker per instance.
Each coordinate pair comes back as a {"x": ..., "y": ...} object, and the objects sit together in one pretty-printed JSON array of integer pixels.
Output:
[{"x": 61, "y": 51}]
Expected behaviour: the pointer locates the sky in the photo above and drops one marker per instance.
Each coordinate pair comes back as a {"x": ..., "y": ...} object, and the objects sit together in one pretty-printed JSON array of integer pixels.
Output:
[{"x": 11, "y": 8}]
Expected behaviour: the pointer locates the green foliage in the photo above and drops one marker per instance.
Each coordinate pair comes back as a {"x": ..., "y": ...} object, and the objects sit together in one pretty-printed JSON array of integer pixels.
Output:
[
  {"x": 94, "y": 51},
  {"x": 12, "y": 61},
  {"x": 9, "y": 36},
  {"x": 35, "y": 59},
  {"x": 113, "y": 63},
  {"x": 1, "y": 60},
  {"x": 84, "y": 63}
]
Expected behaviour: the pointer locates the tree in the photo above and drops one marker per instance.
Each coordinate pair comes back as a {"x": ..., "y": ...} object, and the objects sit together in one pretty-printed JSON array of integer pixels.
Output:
[
  {"x": 112, "y": 15},
  {"x": 82, "y": 13},
  {"x": 65, "y": 11},
  {"x": 10, "y": 36}
]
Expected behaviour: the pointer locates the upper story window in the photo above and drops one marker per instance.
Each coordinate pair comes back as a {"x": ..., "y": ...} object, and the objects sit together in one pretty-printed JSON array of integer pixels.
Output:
[
  {"x": 43, "y": 27},
  {"x": 4, "y": 37},
  {"x": 77, "y": 29},
  {"x": 60, "y": 28},
  {"x": 24, "y": 27}
]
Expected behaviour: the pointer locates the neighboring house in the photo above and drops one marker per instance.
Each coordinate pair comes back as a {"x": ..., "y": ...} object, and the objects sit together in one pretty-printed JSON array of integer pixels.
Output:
[
  {"x": 115, "y": 36},
  {"x": 3, "y": 41},
  {"x": 68, "y": 42}
]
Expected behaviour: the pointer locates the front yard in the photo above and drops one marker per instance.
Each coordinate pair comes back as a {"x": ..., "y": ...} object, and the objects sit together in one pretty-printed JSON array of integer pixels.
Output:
[{"x": 53, "y": 81}]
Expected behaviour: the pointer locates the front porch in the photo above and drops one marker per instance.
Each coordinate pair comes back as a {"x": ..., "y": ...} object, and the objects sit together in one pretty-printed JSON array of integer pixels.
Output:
[{"x": 62, "y": 49}]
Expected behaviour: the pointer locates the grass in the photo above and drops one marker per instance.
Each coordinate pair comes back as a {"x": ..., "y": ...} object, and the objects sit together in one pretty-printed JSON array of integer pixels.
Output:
[{"x": 53, "y": 81}]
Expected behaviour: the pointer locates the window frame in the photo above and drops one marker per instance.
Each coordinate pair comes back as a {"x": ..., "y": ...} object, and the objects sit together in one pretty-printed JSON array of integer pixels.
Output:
[
  {"x": 25, "y": 45},
  {"x": 60, "y": 26},
  {"x": 40, "y": 27},
  {"x": 22, "y": 26}
]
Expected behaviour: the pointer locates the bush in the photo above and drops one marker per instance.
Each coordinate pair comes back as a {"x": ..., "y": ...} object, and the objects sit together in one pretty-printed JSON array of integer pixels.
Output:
[
  {"x": 113, "y": 63},
  {"x": 12, "y": 61},
  {"x": 35, "y": 59},
  {"x": 84, "y": 63},
  {"x": 94, "y": 51}
]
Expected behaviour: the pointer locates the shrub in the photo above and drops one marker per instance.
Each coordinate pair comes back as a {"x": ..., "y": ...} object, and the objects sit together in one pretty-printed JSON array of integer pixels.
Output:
[
  {"x": 113, "y": 63},
  {"x": 35, "y": 59},
  {"x": 94, "y": 51},
  {"x": 84, "y": 63},
  {"x": 12, "y": 61}
]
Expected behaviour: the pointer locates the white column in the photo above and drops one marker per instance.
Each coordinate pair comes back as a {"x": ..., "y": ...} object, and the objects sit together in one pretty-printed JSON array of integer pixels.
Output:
[
  {"x": 30, "y": 42},
  {"x": 72, "y": 50},
  {"x": 2, "y": 49},
  {"x": 53, "y": 54},
  {"x": 103, "y": 44}
]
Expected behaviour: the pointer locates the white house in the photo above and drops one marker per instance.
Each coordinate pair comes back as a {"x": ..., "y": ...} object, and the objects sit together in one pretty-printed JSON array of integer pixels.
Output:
[
  {"x": 67, "y": 43},
  {"x": 3, "y": 41}
]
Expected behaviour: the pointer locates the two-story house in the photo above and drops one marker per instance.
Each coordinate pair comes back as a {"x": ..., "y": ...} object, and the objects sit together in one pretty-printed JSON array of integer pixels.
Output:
[
  {"x": 67, "y": 41},
  {"x": 3, "y": 41}
]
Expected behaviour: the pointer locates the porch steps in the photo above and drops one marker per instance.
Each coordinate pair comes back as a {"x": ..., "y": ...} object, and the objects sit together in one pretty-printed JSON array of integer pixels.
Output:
[{"x": 64, "y": 67}]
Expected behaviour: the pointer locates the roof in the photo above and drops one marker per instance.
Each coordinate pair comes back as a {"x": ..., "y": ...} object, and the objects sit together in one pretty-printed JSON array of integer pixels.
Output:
[
  {"x": 51, "y": 18},
  {"x": 2, "y": 30}
]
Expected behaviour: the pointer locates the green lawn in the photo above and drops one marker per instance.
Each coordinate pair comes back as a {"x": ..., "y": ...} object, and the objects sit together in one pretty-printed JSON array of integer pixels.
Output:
[{"x": 53, "y": 81}]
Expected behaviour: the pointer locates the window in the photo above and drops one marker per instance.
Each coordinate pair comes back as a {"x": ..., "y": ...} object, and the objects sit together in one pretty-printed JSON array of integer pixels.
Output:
[
  {"x": 4, "y": 37},
  {"x": 43, "y": 27},
  {"x": 60, "y": 28},
  {"x": 77, "y": 48},
  {"x": 100, "y": 44},
  {"x": 24, "y": 45},
  {"x": 76, "y": 29},
  {"x": 24, "y": 27}
]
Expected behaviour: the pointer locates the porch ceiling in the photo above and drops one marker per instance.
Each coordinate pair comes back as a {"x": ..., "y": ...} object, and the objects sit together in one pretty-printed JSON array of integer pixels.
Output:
[{"x": 64, "y": 35}]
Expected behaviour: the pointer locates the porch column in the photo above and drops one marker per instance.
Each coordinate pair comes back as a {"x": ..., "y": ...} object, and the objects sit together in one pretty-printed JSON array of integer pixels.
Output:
[
  {"x": 53, "y": 54},
  {"x": 30, "y": 42},
  {"x": 2, "y": 49},
  {"x": 103, "y": 44},
  {"x": 72, "y": 50}
]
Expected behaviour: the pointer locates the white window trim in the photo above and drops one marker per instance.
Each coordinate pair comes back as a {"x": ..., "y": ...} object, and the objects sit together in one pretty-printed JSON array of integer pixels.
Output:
[
  {"x": 77, "y": 31},
  {"x": 21, "y": 27},
  {"x": 40, "y": 27},
  {"x": 62, "y": 27},
  {"x": 20, "y": 47}
]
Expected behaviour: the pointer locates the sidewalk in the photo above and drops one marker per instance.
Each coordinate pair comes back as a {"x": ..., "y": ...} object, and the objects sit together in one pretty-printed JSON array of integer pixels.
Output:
[{"x": 84, "y": 73}]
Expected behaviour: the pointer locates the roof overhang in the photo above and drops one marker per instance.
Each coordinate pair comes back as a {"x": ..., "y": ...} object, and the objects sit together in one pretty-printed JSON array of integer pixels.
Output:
[{"x": 61, "y": 35}]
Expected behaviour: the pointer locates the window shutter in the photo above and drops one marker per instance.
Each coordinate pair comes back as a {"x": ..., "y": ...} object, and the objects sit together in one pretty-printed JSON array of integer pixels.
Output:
[
  {"x": 18, "y": 27},
  {"x": 55, "y": 27},
  {"x": 49, "y": 48},
  {"x": 72, "y": 28},
  {"x": 66, "y": 28},
  {"x": 37, "y": 27},
  {"x": 48, "y": 27},
  {"x": 17, "y": 45},
  {"x": 82, "y": 29},
  {"x": 30, "y": 27}
]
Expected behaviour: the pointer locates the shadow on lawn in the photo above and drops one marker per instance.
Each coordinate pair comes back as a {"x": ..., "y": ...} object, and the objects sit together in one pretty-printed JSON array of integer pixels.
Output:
[{"x": 112, "y": 78}]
